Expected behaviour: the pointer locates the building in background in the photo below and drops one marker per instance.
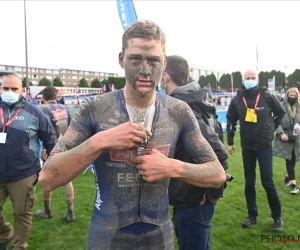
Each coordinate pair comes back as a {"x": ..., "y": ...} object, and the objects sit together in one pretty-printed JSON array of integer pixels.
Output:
[
  {"x": 197, "y": 71},
  {"x": 69, "y": 77},
  {"x": 67, "y": 91}
]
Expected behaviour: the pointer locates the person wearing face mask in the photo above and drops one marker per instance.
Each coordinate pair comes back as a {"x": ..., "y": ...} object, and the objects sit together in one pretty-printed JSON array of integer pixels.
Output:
[
  {"x": 259, "y": 113},
  {"x": 22, "y": 125},
  {"x": 287, "y": 145},
  {"x": 189, "y": 202}
]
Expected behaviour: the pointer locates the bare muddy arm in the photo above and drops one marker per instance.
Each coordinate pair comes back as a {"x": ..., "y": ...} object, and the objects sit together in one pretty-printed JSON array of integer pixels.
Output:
[
  {"x": 154, "y": 166},
  {"x": 62, "y": 167},
  {"x": 209, "y": 175}
]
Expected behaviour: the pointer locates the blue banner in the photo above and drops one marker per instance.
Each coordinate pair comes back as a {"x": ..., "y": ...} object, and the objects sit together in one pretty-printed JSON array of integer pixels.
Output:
[
  {"x": 126, "y": 13},
  {"x": 222, "y": 119}
]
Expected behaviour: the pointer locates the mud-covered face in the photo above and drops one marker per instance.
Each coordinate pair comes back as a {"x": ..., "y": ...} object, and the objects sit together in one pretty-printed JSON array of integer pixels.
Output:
[{"x": 144, "y": 62}]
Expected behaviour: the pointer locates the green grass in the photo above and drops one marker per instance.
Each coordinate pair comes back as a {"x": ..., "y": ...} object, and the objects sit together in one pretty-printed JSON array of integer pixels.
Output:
[{"x": 227, "y": 233}]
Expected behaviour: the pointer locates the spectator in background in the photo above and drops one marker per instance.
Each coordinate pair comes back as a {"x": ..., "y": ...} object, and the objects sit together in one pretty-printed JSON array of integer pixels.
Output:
[
  {"x": 259, "y": 114},
  {"x": 60, "y": 119},
  {"x": 226, "y": 101},
  {"x": 281, "y": 97},
  {"x": 24, "y": 125},
  {"x": 190, "y": 202},
  {"x": 62, "y": 100},
  {"x": 34, "y": 101},
  {"x": 286, "y": 145}
]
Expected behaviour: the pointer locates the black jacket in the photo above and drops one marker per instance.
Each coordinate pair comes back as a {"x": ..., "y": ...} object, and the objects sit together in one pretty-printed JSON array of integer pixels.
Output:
[
  {"x": 182, "y": 194},
  {"x": 254, "y": 135}
]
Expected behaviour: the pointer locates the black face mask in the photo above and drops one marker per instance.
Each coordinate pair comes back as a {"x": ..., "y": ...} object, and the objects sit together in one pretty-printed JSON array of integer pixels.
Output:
[{"x": 292, "y": 100}]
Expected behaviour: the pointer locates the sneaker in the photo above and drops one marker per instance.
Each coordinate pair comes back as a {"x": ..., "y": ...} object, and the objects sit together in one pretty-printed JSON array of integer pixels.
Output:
[
  {"x": 286, "y": 181},
  {"x": 4, "y": 246},
  {"x": 278, "y": 225},
  {"x": 43, "y": 214},
  {"x": 69, "y": 217},
  {"x": 249, "y": 222},
  {"x": 294, "y": 189}
]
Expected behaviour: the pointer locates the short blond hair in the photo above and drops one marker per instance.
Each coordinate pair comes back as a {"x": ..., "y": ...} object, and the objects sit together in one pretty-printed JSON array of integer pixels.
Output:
[{"x": 144, "y": 29}]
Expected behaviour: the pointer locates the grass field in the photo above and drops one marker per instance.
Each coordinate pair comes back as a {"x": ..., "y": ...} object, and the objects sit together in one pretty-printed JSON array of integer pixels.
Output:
[{"x": 227, "y": 233}]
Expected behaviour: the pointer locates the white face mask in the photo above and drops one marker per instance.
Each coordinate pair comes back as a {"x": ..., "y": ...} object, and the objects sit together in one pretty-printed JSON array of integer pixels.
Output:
[
  {"x": 10, "y": 97},
  {"x": 249, "y": 84}
]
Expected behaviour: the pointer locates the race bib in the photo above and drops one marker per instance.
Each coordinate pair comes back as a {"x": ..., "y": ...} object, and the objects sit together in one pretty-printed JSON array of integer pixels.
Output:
[
  {"x": 251, "y": 116},
  {"x": 3, "y": 138}
]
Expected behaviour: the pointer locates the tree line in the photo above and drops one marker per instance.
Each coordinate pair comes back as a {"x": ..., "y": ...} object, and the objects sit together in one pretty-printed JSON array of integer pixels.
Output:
[
  {"x": 281, "y": 81},
  {"x": 118, "y": 82}
]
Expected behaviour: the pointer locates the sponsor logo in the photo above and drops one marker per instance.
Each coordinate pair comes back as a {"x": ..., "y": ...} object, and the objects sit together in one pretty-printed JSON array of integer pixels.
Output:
[
  {"x": 123, "y": 14},
  {"x": 59, "y": 114},
  {"x": 128, "y": 155},
  {"x": 20, "y": 118},
  {"x": 70, "y": 134},
  {"x": 98, "y": 200}
]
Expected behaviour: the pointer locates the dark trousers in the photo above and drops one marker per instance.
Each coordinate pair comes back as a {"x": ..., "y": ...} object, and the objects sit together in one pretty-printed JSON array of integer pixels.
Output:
[
  {"x": 290, "y": 166},
  {"x": 193, "y": 226},
  {"x": 265, "y": 161}
]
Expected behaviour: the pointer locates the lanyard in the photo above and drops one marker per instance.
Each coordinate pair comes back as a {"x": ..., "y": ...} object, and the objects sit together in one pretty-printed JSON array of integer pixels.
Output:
[
  {"x": 10, "y": 121},
  {"x": 256, "y": 102}
]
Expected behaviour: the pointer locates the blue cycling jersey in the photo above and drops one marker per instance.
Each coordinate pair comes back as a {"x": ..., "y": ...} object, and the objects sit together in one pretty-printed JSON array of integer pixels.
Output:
[
  {"x": 130, "y": 213},
  {"x": 58, "y": 115}
]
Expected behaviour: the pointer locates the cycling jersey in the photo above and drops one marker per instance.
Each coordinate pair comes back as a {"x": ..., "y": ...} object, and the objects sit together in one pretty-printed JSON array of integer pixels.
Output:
[
  {"x": 59, "y": 116},
  {"x": 125, "y": 204}
]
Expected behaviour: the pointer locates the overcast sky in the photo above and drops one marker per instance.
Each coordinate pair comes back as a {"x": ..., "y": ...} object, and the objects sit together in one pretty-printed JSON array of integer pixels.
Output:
[{"x": 87, "y": 35}]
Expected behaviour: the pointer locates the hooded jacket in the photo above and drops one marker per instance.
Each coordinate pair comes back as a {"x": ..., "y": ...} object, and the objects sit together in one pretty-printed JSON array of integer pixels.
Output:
[
  {"x": 19, "y": 155},
  {"x": 182, "y": 194},
  {"x": 285, "y": 149},
  {"x": 269, "y": 113}
]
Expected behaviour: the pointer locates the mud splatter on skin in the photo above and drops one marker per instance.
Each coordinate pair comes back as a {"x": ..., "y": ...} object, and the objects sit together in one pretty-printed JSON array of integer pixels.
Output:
[
  {"x": 145, "y": 66},
  {"x": 122, "y": 183},
  {"x": 142, "y": 61},
  {"x": 145, "y": 47},
  {"x": 139, "y": 116}
]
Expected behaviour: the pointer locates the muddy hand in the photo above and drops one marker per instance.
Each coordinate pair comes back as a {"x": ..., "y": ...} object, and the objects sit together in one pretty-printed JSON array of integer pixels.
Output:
[
  {"x": 153, "y": 165},
  {"x": 125, "y": 136}
]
